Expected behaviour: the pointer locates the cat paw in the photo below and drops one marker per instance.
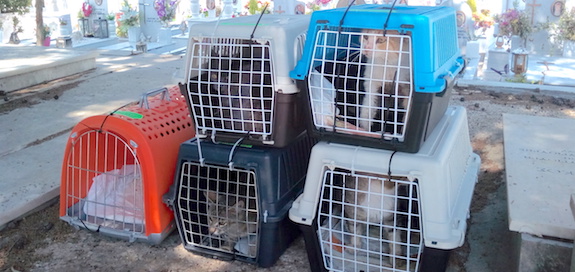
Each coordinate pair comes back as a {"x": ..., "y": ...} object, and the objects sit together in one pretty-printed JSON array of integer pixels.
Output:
[
  {"x": 364, "y": 125},
  {"x": 399, "y": 263}
]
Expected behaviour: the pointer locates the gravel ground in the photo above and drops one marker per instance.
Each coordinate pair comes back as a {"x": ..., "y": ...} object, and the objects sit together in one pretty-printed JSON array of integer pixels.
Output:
[{"x": 42, "y": 242}]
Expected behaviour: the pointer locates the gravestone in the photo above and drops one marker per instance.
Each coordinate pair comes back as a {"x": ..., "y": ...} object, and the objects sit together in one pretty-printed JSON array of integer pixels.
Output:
[
  {"x": 465, "y": 25},
  {"x": 540, "y": 172},
  {"x": 543, "y": 11},
  {"x": 65, "y": 26},
  {"x": 149, "y": 21},
  {"x": 289, "y": 7},
  {"x": 99, "y": 14}
]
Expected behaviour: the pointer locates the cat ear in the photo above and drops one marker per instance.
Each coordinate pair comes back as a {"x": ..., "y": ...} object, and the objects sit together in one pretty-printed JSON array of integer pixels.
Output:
[
  {"x": 211, "y": 196},
  {"x": 241, "y": 204}
]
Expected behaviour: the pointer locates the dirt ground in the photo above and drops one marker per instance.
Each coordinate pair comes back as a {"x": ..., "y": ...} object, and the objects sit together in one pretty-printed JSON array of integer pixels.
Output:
[{"x": 42, "y": 242}]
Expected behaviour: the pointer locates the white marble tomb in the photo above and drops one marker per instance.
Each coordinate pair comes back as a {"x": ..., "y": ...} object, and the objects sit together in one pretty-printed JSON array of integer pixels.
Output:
[{"x": 540, "y": 169}]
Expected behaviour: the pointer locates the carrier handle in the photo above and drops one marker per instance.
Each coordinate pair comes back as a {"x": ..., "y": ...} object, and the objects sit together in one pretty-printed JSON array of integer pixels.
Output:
[{"x": 144, "y": 99}]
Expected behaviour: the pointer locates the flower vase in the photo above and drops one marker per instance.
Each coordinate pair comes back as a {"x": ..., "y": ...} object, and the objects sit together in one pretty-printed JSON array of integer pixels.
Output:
[
  {"x": 111, "y": 28},
  {"x": 134, "y": 35},
  {"x": 516, "y": 42},
  {"x": 489, "y": 35},
  {"x": 46, "y": 41},
  {"x": 165, "y": 35},
  {"x": 64, "y": 30},
  {"x": 569, "y": 49}
]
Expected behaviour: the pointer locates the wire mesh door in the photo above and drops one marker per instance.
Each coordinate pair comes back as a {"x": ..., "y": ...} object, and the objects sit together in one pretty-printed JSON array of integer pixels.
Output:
[
  {"x": 369, "y": 222},
  {"x": 218, "y": 208},
  {"x": 104, "y": 183},
  {"x": 231, "y": 86},
  {"x": 360, "y": 82}
]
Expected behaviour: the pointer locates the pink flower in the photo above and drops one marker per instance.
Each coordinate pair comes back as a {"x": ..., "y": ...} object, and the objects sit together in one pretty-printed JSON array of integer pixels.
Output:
[{"x": 86, "y": 9}]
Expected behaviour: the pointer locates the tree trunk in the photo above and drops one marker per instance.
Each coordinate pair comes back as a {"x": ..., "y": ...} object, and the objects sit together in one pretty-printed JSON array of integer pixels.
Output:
[{"x": 39, "y": 22}]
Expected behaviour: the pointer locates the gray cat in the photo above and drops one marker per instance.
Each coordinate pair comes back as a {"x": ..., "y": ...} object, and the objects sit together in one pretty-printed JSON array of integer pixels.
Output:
[
  {"x": 230, "y": 220},
  {"x": 378, "y": 196},
  {"x": 240, "y": 93}
]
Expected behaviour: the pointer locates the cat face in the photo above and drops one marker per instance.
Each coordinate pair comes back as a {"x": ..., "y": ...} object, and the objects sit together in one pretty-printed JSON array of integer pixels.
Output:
[
  {"x": 228, "y": 217},
  {"x": 375, "y": 45},
  {"x": 222, "y": 211}
]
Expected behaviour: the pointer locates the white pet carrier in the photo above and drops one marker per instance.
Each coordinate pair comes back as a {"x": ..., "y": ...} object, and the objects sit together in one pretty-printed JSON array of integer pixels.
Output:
[
  {"x": 238, "y": 78},
  {"x": 424, "y": 204}
]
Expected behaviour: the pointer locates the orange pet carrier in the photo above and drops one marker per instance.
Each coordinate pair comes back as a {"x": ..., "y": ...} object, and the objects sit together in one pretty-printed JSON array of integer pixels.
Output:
[{"x": 117, "y": 167}]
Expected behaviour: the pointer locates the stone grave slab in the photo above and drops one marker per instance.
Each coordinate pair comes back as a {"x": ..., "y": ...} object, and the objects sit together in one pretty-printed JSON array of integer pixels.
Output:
[{"x": 540, "y": 169}]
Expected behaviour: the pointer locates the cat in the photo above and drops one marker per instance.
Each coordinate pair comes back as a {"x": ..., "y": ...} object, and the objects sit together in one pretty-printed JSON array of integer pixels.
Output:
[
  {"x": 238, "y": 85},
  {"x": 230, "y": 219},
  {"x": 383, "y": 57},
  {"x": 378, "y": 196}
]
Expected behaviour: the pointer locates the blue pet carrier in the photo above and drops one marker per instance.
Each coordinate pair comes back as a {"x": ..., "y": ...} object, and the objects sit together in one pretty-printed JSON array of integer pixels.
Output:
[{"x": 377, "y": 76}]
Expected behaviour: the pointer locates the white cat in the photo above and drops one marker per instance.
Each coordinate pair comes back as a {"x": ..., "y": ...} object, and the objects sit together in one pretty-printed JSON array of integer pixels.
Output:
[
  {"x": 383, "y": 60},
  {"x": 371, "y": 201}
]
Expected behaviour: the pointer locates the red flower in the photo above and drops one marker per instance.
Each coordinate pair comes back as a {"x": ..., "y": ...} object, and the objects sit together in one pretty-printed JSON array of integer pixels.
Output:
[{"x": 86, "y": 9}]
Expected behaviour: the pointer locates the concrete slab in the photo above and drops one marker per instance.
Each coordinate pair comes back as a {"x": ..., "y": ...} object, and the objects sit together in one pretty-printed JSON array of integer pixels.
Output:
[
  {"x": 33, "y": 138},
  {"x": 24, "y": 191},
  {"x": 572, "y": 205},
  {"x": 21, "y": 67},
  {"x": 542, "y": 70},
  {"x": 93, "y": 42},
  {"x": 539, "y": 254},
  {"x": 127, "y": 46},
  {"x": 540, "y": 168}
]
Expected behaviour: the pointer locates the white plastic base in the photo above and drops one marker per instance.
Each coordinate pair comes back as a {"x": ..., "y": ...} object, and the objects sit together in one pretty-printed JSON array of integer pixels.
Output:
[{"x": 445, "y": 169}]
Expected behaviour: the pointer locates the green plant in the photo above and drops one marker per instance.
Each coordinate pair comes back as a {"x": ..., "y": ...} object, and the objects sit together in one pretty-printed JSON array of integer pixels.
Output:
[
  {"x": 16, "y": 24},
  {"x": 566, "y": 26},
  {"x": 111, "y": 16},
  {"x": 472, "y": 5},
  {"x": 259, "y": 6},
  {"x": 46, "y": 31},
  {"x": 130, "y": 16},
  {"x": 15, "y": 6},
  {"x": 122, "y": 31},
  {"x": 522, "y": 79}
]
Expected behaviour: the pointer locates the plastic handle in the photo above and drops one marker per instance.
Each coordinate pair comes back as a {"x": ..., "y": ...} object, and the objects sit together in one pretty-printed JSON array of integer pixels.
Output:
[{"x": 144, "y": 100}]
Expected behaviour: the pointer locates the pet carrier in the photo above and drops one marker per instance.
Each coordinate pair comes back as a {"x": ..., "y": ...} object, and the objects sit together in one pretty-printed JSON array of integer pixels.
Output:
[
  {"x": 232, "y": 202},
  {"x": 379, "y": 77},
  {"x": 367, "y": 209},
  {"x": 116, "y": 167},
  {"x": 238, "y": 78}
]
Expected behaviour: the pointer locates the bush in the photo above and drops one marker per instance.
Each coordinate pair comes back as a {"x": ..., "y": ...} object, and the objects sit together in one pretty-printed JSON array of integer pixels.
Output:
[{"x": 15, "y": 6}]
